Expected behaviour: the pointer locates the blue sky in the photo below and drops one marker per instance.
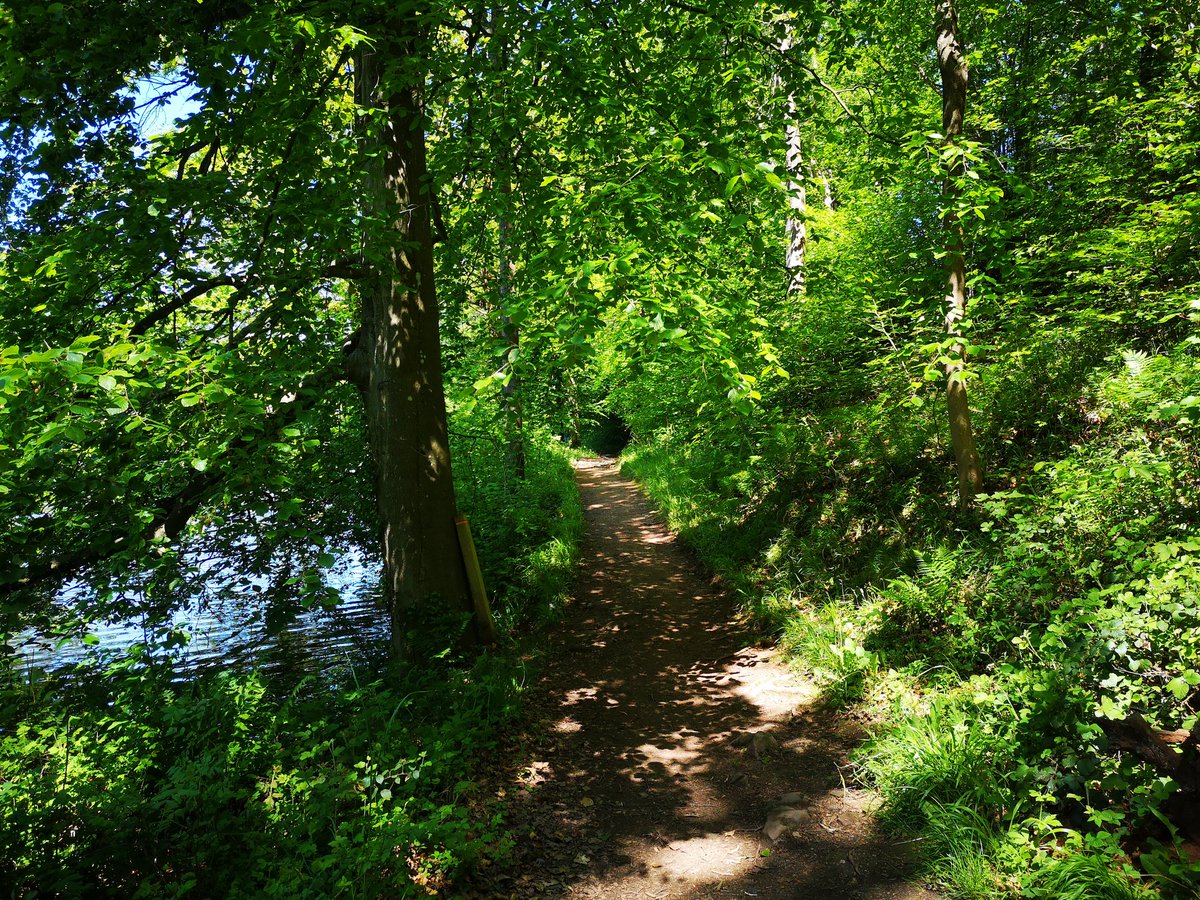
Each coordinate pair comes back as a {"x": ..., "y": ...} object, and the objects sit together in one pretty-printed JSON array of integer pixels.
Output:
[{"x": 152, "y": 118}]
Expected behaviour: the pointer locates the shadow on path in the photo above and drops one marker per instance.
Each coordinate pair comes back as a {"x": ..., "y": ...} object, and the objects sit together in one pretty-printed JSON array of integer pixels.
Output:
[{"x": 645, "y": 779}]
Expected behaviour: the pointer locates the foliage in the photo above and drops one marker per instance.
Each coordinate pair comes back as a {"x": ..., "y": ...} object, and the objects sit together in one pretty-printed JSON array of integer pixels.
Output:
[
  {"x": 527, "y": 530},
  {"x": 613, "y": 187},
  {"x": 119, "y": 779},
  {"x": 1002, "y": 640},
  {"x": 354, "y": 790}
]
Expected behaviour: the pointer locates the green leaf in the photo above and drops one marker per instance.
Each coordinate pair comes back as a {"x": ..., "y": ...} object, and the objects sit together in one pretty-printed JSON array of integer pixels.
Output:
[
  {"x": 1178, "y": 687},
  {"x": 1111, "y": 709}
]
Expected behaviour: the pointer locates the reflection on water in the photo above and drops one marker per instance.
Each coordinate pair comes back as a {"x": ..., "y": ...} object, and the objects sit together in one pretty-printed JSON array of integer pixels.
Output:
[{"x": 249, "y": 629}]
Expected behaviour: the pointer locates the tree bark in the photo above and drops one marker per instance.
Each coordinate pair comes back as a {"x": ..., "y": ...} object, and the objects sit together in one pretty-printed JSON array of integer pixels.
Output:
[
  {"x": 573, "y": 411},
  {"x": 797, "y": 224},
  {"x": 510, "y": 332},
  {"x": 1135, "y": 735},
  {"x": 399, "y": 367},
  {"x": 952, "y": 62}
]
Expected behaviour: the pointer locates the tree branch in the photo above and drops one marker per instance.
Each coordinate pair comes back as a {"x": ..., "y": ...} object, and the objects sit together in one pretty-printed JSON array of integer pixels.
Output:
[
  {"x": 1135, "y": 735},
  {"x": 174, "y": 511},
  {"x": 196, "y": 291}
]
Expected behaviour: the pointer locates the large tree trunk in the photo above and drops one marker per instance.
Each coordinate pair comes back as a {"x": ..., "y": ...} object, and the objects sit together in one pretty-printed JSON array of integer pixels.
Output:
[
  {"x": 398, "y": 364},
  {"x": 953, "y": 65}
]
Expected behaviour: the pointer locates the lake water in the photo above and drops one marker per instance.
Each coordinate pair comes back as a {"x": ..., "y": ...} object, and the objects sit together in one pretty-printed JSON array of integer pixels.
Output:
[{"x": 241, "y": 632}]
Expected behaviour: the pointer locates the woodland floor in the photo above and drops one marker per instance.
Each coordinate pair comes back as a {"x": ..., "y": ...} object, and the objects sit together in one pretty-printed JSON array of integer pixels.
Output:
[{"x": 638, "y": 773}]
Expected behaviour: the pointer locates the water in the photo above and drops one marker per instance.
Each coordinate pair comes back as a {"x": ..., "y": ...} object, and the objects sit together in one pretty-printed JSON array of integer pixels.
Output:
[{"x": 240, "y": 630}]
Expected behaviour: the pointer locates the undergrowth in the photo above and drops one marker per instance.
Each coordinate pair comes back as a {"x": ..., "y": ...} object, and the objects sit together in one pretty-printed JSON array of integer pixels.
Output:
[
  {"x": 122, "y": 779},
  {"x": 990, "y": 651},
  {"x": 220, "y": 788},
  {"x": 527, "y": 531}
]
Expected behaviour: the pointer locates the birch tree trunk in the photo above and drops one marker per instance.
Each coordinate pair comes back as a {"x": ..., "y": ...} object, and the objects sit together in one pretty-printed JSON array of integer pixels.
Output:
[
  {"x": 952, "y": 62},
  {"x": 797, "y": 225},
  {"x": 396, "y": 360}
]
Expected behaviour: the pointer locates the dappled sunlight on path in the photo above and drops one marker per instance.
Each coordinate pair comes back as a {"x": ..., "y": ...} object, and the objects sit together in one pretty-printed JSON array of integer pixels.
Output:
[{"x": 665, "y": 742}]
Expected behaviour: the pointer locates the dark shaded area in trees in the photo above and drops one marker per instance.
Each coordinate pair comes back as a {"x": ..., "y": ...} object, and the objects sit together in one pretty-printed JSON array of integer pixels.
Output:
[{"x": 607, "y": 435}]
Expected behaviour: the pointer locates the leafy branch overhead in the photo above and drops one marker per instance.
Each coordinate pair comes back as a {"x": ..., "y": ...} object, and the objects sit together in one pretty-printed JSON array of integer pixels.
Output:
[{"x": 890, "y": 305}]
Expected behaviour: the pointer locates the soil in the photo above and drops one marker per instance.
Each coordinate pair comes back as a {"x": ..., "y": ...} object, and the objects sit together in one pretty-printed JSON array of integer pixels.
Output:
[{"x": 662, "y": 741}]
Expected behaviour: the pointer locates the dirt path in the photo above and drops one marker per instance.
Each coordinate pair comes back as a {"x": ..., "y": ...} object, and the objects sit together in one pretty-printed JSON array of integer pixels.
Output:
[{"x": 642, "y": 776}]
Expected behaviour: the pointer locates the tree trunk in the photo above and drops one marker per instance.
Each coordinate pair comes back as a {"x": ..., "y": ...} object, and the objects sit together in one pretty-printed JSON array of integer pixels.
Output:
[
  {"x": 797, "y": 225},
  {"x": 397, "y": 361},
  {"x": 510, "y": 332},
  {"x": 574, "y": 412},
  {"x": 953, "y": 65}
]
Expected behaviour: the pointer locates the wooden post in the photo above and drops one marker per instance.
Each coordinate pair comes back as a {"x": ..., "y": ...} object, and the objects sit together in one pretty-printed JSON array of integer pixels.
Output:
[{"x": 485, "y": 625}]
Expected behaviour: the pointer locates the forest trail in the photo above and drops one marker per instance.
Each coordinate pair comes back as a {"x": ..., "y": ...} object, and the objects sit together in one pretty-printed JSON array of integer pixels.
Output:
[{"x": 640, "y": 778}]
